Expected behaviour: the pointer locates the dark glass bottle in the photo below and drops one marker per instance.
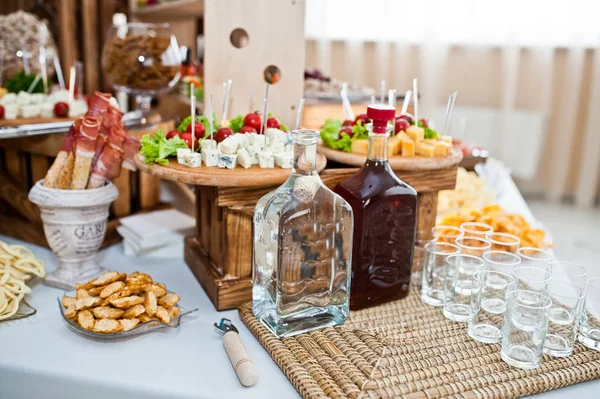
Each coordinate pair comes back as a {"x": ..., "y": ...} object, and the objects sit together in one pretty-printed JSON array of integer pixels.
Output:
[{"x": 385, "y": 220}]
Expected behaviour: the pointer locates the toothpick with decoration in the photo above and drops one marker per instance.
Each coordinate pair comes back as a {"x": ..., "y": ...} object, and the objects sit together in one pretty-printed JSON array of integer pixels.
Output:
[
  {"x": 72, "y": 74},
  {"x": 227, "y": 86},
  {"x": 210, "y": 115},
  {"x": 406, "y": 102},
  {"x": 416, "y": 100},
  {"x": 346, "y": 107},
  {"x": 382, "y": 92},
  {"x": 193, "y": 114},
  {"x": 449, "y": 110},
  {"x": 299, "y": 114},
  {"x": 264, "y": 119}
]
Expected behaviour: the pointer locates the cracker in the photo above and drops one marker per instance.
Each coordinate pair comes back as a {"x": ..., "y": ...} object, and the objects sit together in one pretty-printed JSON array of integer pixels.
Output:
[
  {"x": 144, "y": 317},
  {"x": 96, "y": 290},
  {"x": 108, "y": 326},
  {"x": 169, "y": 300},
  {"x": 108, "y": 278},
  {"x": 71, "y": 312},
  {"x": 138, "y": 278},
  {"x": 86, "y": 319},
  {"x": 158, "y": 289},
  {"x": 84, "y": 286},
  {"x": 82, "y": 293},
  {"x": 163, "y": 315},
  {"x": 116, "y": 295},
  {"x": 128, "y": 324},
  {"x": 127, "y": 302},
  {"x": 150, "y": 303},
  {"x": 107, "y": 312},
  {"x": 134, "y": 312},
  {"x": 112, "y": 288},
  {"x": 87, "y": 303},
  {"x": 68, "y": 301},
  {"x": 174, "y": 312}
]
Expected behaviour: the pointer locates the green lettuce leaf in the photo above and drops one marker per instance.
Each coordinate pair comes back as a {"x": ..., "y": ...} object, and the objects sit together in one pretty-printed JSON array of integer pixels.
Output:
[
  {"x": 157, "y": 149},
  {"x": 237, "y": 123},
  {"x": 360, "y": 131},
  {"x": 430, "y": 133},
  {"x": 329, "y": 135}
]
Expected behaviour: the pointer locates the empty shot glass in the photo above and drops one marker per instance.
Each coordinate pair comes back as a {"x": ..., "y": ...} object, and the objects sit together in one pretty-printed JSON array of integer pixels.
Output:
[
  {"x": 501, "y": 261},
  {"x": 476, "y": 229},
  {"x": 569, "y": 272},
  {"x": 488, "y": 304},
  {"x": 445, "y": 233},
  {"x": 565, "y": 314},
  {"x": 503, "y": 242},
  {"x": 459, "y": 285},
  {"x": 589, "y": 332},
  {"x": 530, "y": 278},
  {"x": 524, "y": 328},
  {"x": 475, "y": 246},
  {"x": 534, "y": 257},
  {"x": 434, "y": 271}
]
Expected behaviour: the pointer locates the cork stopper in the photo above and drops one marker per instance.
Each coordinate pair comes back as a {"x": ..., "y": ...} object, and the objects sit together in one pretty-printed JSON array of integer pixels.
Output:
[{"x": 380, "y": 114}]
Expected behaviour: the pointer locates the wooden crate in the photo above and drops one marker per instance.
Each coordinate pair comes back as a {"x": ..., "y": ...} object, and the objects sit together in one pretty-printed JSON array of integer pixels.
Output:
[
  {"x": 24, "y": 161},
  {"x": 220, "y": 255}
]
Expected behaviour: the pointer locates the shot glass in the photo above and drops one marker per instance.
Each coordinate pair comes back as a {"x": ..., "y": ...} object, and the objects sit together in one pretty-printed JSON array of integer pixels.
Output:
[
  {"x": 530, "y": 279},
  {"x": 565, "y": 314},
  {"x": 568, "y": 272},
  {"x": 503, "y": 242},
  {"x": 488, "y": 304},
  {"x": 434, "y": 271},
  {"x": 524, "y": 329},
  {"x": 475, "y": 246},
  {"x": 534, "y": 257},
  {"x": 589, "y": 333},
  {"x": 459, "y": 285},
  {"x": 445, "y": 233},
  {"x": 501, "y": 261},
  {"x": 418, "y": 259},
  {"x": 476, "y": 229}
]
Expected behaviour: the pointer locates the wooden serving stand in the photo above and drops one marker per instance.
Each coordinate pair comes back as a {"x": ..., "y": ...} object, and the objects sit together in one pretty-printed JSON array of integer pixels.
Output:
[{"x": 220, "y": 254}]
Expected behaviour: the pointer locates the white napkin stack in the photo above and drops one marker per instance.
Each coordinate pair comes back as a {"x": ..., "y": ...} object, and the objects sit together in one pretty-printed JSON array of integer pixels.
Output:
[{"x": 156, "y": 234}]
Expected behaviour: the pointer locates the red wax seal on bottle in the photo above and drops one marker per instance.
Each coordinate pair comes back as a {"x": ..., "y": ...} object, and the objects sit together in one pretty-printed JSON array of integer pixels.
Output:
[{"x": 380, "y": 114}]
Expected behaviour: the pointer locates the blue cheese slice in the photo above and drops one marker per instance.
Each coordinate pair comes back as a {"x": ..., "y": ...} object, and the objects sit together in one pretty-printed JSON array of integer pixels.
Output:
[
  {"x": 253, "y": 152},
  {"x": 228, "y": 161},
  {"x": 47, "y": 110},
  {"x": 180, "y": 153},
  {"x": 29, "y": 110},
  {"x": 11, "y": 111},
  {"x": 284, "y": 160},
  {"x": 242, "y": 139},
  {"x": 210, "y": 157},
  {"x": 266, "y": 159},
  {"x": 208, "y": 144},
  {"x": 275, "y": 140},
  {"x": 192, "y": 159},
  {"x": 257, "y": 140},
  {"x": 244, "y": 158},
  {"x": 229, "y": 146}
]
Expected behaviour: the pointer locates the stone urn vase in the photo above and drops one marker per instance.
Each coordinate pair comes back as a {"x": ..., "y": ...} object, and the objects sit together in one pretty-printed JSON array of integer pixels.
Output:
[{"x": 74, "y": 225}]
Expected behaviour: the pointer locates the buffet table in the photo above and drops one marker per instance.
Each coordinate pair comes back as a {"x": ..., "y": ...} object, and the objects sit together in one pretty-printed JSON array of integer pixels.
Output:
[{"x": 41, "y": 357}]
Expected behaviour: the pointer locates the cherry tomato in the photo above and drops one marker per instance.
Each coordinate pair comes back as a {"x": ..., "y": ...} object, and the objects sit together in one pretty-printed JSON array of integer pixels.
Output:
[
  {"x": 1, "y": 112},
  {"x": 253, "y": 120},
  {"x": 200, "y": 129},
  {"x": 408, "y": 117},
  {"x": 172, "y": 134},
  {"x": 187, "y": 137},
  {"x": 273, "y": 123},
  {"x": 347, "y": 130},
  {"x": 423, "y": 123},
  {"x": 363, "y": 118},
  {"x": 247, "y": 129},
  {"x": 348, "y": 122},
  {"x": 223, "y": 133},
  {"x": 61, "y": 109},
  {"x": 401, "y": 124}
]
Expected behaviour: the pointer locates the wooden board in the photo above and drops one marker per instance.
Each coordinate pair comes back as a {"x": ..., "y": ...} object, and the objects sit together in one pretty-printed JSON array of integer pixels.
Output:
[
  {"x": 212, "y": 176},
  {"x": 30, "y": 121},
  {"x": 396, "y": 162}
]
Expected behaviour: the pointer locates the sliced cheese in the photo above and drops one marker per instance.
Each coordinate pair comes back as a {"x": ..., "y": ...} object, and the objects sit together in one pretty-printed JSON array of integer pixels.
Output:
[
  {"x": 403, "y": 136},
  {"x": 360, "y": 147},
  {"x": 441, "y": 149},
  {"x": 408, "y": 148},
  {"x": 447, "y": 139},
  {"x": 426, "y": 150},
  {"x": 394, "y": 146},
  {"x": 417, "y": 134}
]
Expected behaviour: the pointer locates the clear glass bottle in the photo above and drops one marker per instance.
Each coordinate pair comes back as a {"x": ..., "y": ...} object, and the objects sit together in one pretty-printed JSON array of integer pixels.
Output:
[
  {"x": 302, "y": 249},
  {"x": 385, "y": 221}
]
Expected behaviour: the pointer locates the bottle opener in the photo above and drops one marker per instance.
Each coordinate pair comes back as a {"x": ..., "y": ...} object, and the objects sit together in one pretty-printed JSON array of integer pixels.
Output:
[{"x": 237, "y": 353}]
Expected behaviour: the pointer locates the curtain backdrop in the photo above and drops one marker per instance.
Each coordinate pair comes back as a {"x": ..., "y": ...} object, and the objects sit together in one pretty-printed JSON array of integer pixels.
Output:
[{"x": 527, "y": 73}]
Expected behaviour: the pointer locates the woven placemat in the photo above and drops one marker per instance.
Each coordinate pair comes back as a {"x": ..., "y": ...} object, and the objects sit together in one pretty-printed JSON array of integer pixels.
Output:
[{"x": 408, "y": 349}]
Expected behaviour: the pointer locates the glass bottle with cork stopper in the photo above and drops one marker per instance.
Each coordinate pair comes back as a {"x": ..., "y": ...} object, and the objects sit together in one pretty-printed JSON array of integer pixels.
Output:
[{"x": 385, "y": 220}]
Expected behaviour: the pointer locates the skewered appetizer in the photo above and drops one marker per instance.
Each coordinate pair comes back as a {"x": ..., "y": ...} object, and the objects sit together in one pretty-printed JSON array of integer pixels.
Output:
[{"x": 32, "y": 105}]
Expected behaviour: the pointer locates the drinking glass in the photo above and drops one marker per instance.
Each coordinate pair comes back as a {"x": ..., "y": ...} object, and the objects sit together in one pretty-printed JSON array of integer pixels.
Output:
[
  {"x": 488, "y": 304},
  {"x": 565, "y": 314},
  {"x": 589, "y": 333},
  {"x": 445, "y": 233},
  {"x": 534, "y": 257},
  {"x": 530, "y": 278},
  {"x": 434, "y": 271},
  {"x": 524, "y": 328},
  {"x": 503, "y": 242},
  {"x": 475, "y": 246},
  {"x": 568, "y": 272},
  {"x": 501, "y": 261},
  {"x": 418, "y": 262},
  {"x": 459, "y": 285},
  {"x": 476, "y": 229}
]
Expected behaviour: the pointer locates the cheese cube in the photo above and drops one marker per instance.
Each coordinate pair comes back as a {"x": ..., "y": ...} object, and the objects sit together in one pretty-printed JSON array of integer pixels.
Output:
[
  {"x": 11, "y": 111},
  {"x": 29, "y": 111},
  {"x": 8, "y": 98},
  {"x": 244, "y": 158},
  {"x": 360, "y": 146},
  {"x": 408, "y": 148},
  {"x": 180, "y": 154},
  {"x": 415, "y": 133},
  {"x": 257, "y": 140},
  {"x": 77, "y": 108},
  {"x": 430, "y": 141},
  {"x": 210, "y": 157},
  {"x": 253, "y": 152},
  {"x": 228, "y": 161},
  {"x": 47, "y": 110},
  {"x": 242, "y": 139},
  {"x": 60, "y": 95},
  {"x": 266, "y": 159},
  {"x": 447, "y": 139},
  {"x": 426, "y": 150},
  {"x": 284, "y": 160},
  {"x": 441, "y": 149},
  {"x": 403, "y": 136},
  {"x": 289, "y": 148},
  {"x": 275, "y": 139},
  {"x": 394, "y": 146},
  {"x": 37, "y": 98},
  {"x": 289, "y": 140},
  {"x": 23, "y": 98},
  {"x": 208, "y": 144},
  {"x": 229, "y": 146},
  {"x": 192, "y": 159}
]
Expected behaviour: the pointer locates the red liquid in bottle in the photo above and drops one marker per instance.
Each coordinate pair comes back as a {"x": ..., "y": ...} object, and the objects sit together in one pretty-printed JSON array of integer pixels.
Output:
[{"x": 385, "y": 217}]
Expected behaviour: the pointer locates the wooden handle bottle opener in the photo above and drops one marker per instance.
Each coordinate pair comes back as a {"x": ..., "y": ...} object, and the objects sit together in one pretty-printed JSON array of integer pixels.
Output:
[{"x": 237, "y": 353}]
